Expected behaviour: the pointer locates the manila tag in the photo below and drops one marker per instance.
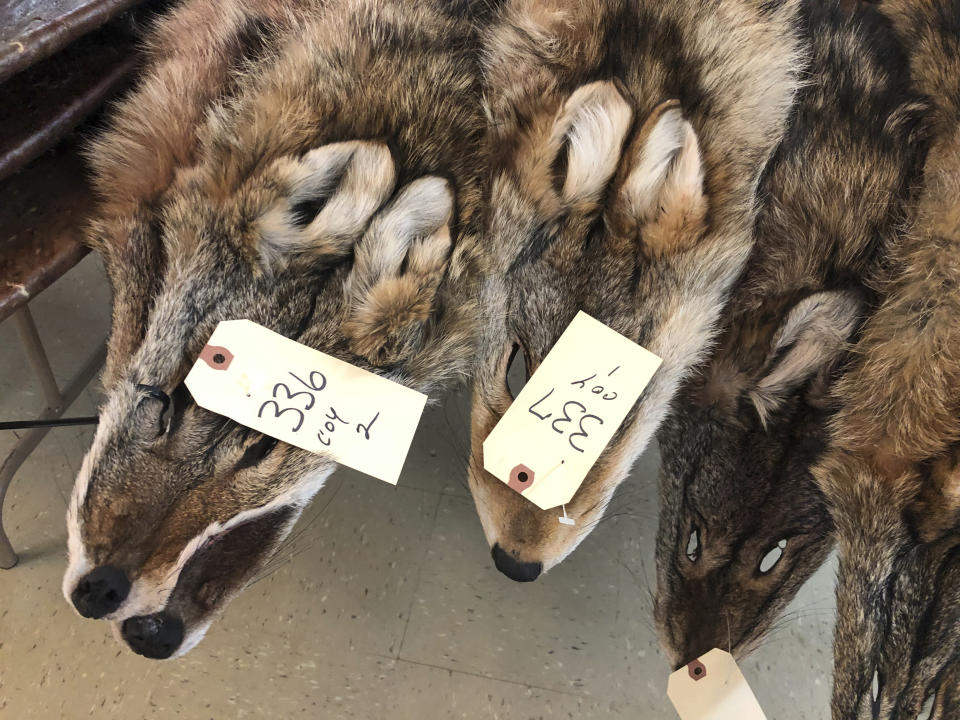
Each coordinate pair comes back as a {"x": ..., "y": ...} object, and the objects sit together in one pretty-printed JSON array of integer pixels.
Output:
[
  {"x": 306, "y": 398},
  {"x": 713, "y": 688},
  {"x": 552, "y": 434}
]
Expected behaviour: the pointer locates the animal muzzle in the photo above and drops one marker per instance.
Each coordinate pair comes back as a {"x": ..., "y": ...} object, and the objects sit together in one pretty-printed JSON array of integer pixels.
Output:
[
  {"x": 156, "y": 636},
  {"x": 514, "y": 568},
  {"x": 100, "y": 592}
]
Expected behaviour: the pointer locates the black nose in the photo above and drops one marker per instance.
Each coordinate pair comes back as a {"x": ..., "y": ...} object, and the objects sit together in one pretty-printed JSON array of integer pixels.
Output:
[
  {"x": 100, "y": 592},
  {"x": 513, "y": 568},
  {"x": 154, "y": 636}
]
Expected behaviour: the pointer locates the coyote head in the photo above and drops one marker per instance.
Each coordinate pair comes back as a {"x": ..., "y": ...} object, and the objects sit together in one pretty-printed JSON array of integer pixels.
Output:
[
  {"x": 618, "y": 197},
  {"x": 292, "y": 165},
  {"x": 742, "y": 522},
  {"x": 176, "y": 508}
]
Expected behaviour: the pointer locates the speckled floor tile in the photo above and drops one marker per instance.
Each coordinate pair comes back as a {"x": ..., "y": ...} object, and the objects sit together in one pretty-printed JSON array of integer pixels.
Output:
[
  {"x": 385, "y": 605},
  {"x": 441, "y": 447},
  {"x": 353, "y": 568},
  {"x": 555, "y": 633}
]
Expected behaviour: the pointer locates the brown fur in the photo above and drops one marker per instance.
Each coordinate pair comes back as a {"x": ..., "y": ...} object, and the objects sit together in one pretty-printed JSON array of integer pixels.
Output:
[
  {"x": 324, "y": 182},
  {"x": 736, "y": 452},
  {"x": 627, "y": 141},
  {"x": 891, "y": 471},
  {"x": 193, "y": 56}
]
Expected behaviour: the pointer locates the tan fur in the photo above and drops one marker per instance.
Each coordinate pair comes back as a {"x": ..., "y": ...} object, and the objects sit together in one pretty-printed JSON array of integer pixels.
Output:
[
  {"x": 745, "y": 430},
  {"x": 317, "y": 172},
  {"x": 150, "y": 135},
  {"x": 891, "y": 472},
  {"x": 627, "y": 139}
]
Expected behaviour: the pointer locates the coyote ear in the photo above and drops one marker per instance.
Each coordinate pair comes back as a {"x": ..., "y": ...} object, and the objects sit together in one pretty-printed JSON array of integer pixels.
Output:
[
  {"x": 814, "y": 334},
  {"x": 590, "y": 128},
  {"x": 331, "y": 194},
  {"x": 663, "y": 190},
  {"x": 398, "y": 267}
]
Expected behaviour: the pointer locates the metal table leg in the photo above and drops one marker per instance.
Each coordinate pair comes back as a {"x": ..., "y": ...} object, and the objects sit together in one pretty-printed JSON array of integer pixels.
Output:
[{"x": 57, "y": 402}]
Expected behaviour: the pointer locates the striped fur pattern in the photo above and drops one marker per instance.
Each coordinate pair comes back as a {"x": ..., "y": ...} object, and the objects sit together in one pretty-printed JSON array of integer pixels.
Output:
[
  {"x": 313, "y": 167},
  {"x": 628, "y": 137},
  {"x": 742, "y": 523},
  {"x": 892, "y": 475}
]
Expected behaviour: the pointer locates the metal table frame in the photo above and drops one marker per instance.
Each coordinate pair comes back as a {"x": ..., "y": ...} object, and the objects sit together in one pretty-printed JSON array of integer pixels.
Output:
[{"x": 57, "y": 402}]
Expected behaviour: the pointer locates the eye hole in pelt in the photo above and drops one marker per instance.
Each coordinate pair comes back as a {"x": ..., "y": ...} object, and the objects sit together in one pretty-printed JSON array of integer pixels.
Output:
[
  {"x": 693, "y": 545},
  {"x": 256, "y": 452},
  {"x": 153, "y": 410},
  {"x": 875, "y": 686},
  {"x": 927, "y": 708},
  {"x": 181, "y": 399},
  {"x": 772, "y": 557},
  {"x": 516, "y": 375}
]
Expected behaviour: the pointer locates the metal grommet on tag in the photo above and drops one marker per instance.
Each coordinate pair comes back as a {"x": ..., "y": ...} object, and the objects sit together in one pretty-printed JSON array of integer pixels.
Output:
[
  {"x": 697, "y": 670},
  {"x": 217, "y": 357},
  {"x": 521, "y": 478}
]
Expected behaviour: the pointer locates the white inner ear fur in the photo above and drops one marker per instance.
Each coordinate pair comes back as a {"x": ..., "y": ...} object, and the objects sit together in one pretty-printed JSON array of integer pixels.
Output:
[
  {"x": 669, "y": 166},
  {"x": 817, "y": 328},
  {"x": 416, "y": 221},
  {"x": 594, "y": 121},
  {"x": 357, "y": 177}
]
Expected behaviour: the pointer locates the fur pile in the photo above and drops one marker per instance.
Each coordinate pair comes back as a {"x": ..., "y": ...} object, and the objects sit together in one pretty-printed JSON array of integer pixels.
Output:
[{"x": 766, "y": 194}]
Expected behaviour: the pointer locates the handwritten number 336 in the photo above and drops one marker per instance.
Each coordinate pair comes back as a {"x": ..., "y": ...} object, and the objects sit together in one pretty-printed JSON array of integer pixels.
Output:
[{"x": 313, "y": 384}]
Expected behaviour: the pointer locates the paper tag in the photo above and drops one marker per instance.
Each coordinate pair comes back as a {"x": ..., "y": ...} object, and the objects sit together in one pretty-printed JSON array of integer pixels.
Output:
[
  {"x": 559, "y": 424},
  {"x": 306, "y": 398},
  {"x": 713, "y": 688}
]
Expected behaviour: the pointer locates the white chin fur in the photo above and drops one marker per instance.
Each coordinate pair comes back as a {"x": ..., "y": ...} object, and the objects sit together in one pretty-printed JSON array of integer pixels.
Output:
[
  {"x": 150, "y": 594},
  {"x": 192, "y": 639},
  {"x": 78, "y": 563}
]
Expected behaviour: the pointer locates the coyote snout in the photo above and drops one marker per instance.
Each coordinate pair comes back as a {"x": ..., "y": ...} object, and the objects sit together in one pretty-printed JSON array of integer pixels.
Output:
[{"x": 159, "y": 559}]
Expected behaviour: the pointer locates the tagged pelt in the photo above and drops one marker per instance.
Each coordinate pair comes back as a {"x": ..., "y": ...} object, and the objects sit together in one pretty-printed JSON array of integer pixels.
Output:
[
  {"x": 315, "y": 168},
  {"x": 891, "y": 474},
  {"x": 194, "y": 57},
  {"x": 627, "y": 141},
  {"x": 742, "y": 523}
]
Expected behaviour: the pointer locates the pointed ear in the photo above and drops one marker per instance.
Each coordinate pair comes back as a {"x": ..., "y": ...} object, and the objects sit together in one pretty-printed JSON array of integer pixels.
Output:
[
  {"x": 588, "y": 134},
  {"x": 330, "y": 194},
  {"x": 813, "y": 335},
  {"x": 398, "y": 267},
  {"x": 662, "y": 194}
]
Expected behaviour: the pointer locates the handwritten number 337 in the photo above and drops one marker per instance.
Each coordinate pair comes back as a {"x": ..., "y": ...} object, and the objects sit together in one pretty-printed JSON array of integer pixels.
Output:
[{"x": 567, "y": 419}]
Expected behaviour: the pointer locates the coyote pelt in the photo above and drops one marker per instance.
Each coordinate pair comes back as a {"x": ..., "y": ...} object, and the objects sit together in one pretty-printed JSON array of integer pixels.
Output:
[
  {"x": 900, "y": 404},
  {"x": 891, "y": 472},
  {"x": 314, "y": 167},
  {"x": 736, "y": 451},
  {"x": 628, "y": 138}
]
